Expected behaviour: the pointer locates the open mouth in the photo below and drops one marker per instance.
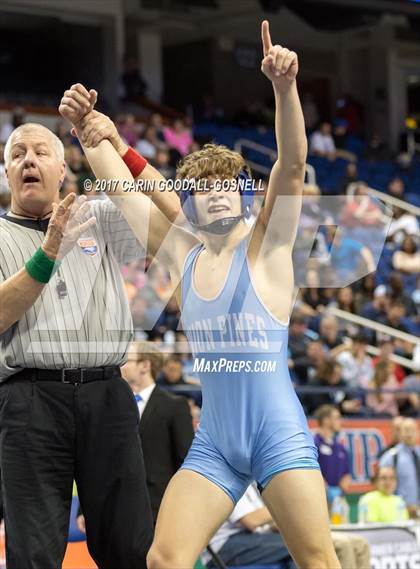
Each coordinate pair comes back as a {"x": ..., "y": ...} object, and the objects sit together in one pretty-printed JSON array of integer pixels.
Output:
[
  {"x": 30, "y": 179},
  {"x": 217, "y": 208}
]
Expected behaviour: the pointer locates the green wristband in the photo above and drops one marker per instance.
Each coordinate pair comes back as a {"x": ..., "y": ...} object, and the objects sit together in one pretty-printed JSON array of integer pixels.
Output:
[{"x": 41, "y": 267}]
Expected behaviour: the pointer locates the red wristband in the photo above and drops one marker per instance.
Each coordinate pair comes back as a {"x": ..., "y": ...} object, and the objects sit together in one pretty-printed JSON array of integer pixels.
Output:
[{"x": 135, "y": 162}]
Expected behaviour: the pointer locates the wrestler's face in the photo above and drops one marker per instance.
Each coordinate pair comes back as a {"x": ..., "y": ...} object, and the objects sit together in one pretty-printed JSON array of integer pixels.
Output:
[
  {"x": 34, "y": 171},
  {"x": 212, "y": 203}
]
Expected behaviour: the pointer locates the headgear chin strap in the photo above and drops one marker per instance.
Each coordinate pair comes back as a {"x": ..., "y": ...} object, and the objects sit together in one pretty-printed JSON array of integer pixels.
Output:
[
  {"x": 221, "y": 226},
  {"x": 226, "y": 224}
]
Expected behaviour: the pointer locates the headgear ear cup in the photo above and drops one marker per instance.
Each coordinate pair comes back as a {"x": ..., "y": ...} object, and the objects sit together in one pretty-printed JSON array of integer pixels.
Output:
[
  {"x": 247, "y": 193},
  {"x": 187, "y": 204}
]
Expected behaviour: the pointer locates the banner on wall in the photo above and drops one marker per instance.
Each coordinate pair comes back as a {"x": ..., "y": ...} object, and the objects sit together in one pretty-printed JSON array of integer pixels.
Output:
[{"x": 364, "y": 439}]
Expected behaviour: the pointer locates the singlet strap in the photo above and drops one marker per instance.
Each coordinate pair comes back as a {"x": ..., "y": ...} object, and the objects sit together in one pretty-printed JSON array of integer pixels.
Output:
[{"x": 186, "y": 279}]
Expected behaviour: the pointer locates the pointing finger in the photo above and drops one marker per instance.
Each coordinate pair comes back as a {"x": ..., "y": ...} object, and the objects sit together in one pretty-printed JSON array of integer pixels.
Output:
[{"x": 265, "y": 36}]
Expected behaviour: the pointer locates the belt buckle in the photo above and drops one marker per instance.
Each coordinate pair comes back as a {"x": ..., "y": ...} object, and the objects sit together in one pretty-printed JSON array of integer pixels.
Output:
[{"x": 72, "y": 369}]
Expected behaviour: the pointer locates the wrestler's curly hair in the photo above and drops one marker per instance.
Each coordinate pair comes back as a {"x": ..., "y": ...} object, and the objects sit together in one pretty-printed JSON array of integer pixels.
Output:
[{"x": 213, "y": 160}]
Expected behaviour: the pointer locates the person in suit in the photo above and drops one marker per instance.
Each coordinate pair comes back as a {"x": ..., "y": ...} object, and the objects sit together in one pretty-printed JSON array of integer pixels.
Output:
[{"x": 166, "y": 428}]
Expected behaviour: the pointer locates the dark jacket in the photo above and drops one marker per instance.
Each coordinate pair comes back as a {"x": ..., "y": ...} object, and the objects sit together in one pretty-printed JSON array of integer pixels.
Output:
[{"x": 166, "y": 433}]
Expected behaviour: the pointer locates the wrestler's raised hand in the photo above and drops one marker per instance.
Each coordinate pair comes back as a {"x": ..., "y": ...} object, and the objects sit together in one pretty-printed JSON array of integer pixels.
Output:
[
  {"x": 279, "y": 64},
  {"x": 77, "y": 102}
]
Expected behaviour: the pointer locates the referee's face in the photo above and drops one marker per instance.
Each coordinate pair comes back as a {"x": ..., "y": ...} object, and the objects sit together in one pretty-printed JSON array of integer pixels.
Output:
[{"x": 34, "y": 171}]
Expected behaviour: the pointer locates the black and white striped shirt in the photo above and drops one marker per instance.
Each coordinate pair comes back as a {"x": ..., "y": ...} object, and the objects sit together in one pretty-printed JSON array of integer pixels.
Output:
[{"x": 91, "y": 325}]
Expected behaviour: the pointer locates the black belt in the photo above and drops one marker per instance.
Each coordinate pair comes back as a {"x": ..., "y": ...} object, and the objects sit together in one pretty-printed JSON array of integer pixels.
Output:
[{"x": 69, "y": 375}]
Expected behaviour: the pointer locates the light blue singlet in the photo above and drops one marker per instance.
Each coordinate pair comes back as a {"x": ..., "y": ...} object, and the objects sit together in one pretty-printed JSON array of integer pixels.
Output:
[{"x": 252, "y": 423}]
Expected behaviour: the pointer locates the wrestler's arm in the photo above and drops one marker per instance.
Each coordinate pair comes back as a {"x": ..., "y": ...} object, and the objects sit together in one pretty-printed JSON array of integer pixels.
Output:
[
  {"x": 162, "y": 240},
  {"x": 279, "y": 216},
  {"x": 77, "y": 106}
]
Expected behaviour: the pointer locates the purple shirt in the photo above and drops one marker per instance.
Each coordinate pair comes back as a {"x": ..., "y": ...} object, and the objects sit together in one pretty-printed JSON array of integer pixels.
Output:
[{"x": 333, "y": 459}]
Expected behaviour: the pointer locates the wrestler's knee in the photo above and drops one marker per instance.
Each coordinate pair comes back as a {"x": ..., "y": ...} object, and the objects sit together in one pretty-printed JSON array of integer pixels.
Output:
[
  {"x": 165, "y": 557},
  {"x": 317, "y": 556}
]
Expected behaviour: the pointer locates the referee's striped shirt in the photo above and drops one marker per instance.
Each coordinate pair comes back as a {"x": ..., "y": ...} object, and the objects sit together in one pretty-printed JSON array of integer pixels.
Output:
[{"x": 90, "y": 325}]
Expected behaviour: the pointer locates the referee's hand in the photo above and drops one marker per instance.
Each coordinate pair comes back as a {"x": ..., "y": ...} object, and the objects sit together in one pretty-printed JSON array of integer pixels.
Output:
[{"x": 68, "y": 222}]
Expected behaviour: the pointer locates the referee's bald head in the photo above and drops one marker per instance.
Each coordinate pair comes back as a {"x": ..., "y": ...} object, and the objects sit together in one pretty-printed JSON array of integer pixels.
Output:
[{"x": 35, "y": 168}]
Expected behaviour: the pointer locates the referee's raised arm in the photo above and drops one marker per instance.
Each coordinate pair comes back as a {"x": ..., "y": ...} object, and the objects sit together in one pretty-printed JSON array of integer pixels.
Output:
[{"x": 20, "y": 291}]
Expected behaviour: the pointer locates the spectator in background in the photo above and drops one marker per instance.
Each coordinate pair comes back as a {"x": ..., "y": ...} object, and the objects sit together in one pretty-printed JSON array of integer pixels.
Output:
[
  {"x": 396, "y": 425},
  {"x": 208, "y": 110},
  {"x": 348, "y": 255},
  {"x": 377, "y": 308},
  {"x": 345, "y": 301},
  {"x": 405, "y": 459},
  {"x": 63, "y": 132},
  {"x": 395, "y": 316},
  {"x": 340, "y": 140},
  {"x": 395, "y": 290},
  {"x": 149, "y": 143},
  {"x": 69, "y": 186},
  {"x": 313, "y": 299},
  {"x": 171, "y": 315},
  {"x": 396, "y": 188},
  {"x": 329, "y": 375},
  {"x": 17, "y": 119},
  {"x": 407, "y": 259},
  {"x": 179, "y": 137},
  {"x": 351, "y": 111},
  {"x": 361, "y": 210},
  {"x": 402, "y": 224},
  {"x": 363, "y": 291},
  {"x": 322, "y": 143},
  {"x": 376, "y": 149},
  {"x": 382, "y": 505},
  {"x": 317, "y": 356},
  {"x": 161, "y": 162},
  {"x": 75, "y": 161},
  {"x": 379, "y": 402},
  {"x": 411, "y": 407},
  {"x": 156, "y": 121},
  {"x": 329, "y": 332},
  {"x": 173, "y": 374},
  {"x": 128, "y": 129},
  {"x": 249, "y": 536},
  {"x": 165, "y": 427},
  {"x": 356, "y": 365},
  {"x": 145, "y": 318},
  {"x": 333, "y": 457},
  {"x": 310, "y": 111},
  {"x": 299, "y": 338},
  {"x": 351, "y": 177},
  {"x": 132, "y": 83},
  {"x": 386, "y": 349}
]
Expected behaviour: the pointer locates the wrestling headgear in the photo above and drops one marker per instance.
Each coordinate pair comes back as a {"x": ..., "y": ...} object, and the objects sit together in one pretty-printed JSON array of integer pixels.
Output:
[{"x": 225, "y": 225}]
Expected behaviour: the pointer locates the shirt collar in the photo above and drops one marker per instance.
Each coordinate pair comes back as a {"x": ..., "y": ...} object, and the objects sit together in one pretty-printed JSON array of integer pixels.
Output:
[
  {"x": 147, "y": 392},
  {"x": 37, "y": 224}
]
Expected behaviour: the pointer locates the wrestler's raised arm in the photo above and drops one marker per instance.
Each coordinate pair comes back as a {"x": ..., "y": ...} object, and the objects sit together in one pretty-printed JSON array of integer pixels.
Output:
[
  {"x": 160, "y": 238},
  {"x": 283, "y": 201},
  {"x": 77, "y": 106}
]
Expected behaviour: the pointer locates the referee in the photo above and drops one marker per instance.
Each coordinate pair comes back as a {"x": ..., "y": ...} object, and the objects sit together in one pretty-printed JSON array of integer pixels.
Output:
[{"x": 65, "y": 411}]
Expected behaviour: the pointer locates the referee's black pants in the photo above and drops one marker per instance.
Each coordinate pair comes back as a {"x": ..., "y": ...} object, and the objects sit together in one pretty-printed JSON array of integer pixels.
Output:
[{"x": 52, "y": 433}]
